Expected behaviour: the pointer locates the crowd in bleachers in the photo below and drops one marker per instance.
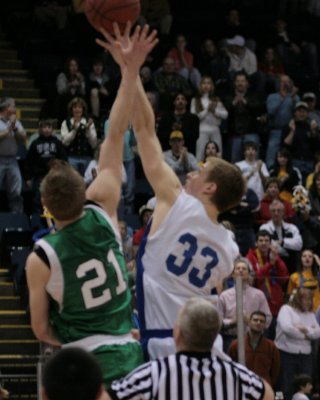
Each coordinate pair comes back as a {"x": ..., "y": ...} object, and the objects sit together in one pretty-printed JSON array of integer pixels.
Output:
[{"x": 242, "y": 92}]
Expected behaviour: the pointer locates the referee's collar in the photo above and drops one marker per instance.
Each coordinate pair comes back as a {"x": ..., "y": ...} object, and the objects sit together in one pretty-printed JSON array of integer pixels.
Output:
[{"x": 195, "y": 354}]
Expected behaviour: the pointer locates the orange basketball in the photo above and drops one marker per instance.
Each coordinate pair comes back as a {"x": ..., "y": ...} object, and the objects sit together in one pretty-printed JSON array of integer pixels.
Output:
[{"x": 102, "y": 13}]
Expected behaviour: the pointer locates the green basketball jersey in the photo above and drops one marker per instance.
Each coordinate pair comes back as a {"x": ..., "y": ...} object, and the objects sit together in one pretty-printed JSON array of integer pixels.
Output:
[{"x": 88, "y": 285}]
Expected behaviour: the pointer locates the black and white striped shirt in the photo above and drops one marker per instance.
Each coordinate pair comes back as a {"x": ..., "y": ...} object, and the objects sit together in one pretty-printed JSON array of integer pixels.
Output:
[{"x": 189, "y": 376}]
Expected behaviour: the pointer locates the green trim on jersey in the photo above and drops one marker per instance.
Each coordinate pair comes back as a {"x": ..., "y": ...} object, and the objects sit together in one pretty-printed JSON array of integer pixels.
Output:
[{"x": 95, "y": 297}]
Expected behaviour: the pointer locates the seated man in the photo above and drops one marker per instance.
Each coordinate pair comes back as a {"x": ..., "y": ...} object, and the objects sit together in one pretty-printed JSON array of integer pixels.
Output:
[
  {"x": 261, "y": 354},
  {"x": 253, "y": 299},
  {"x": 192, "y": 372},
  {"x": 285, "y": 235},
  {"x": 179, "y": 159}
]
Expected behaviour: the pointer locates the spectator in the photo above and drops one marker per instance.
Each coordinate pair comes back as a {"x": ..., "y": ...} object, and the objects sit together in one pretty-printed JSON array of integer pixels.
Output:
[
  {"x": 302, "y": 387},
  {"x": 11, "y": 134},
  {"x": 168, "y": 83},
  {"x": 242, "y": 219},
  {"x": 244, "y": 107},
  {"x": 316, "y": 168},
  {"x": 271, "y": 274},
  {"x": 101, "y": 88},
  {"x": 156, "y": 13},
  {"x": 180, "y": 160},
  {"x": 307, "y": 276},
  {"x": 241, "y": 58},
  {"x": 41, "y": 151},
  {"x": 180, "y": 119},
  {"x": 270, "y": 67},
  {"x": 280, "y": 108},
  {"x": 192, "y": 370},
  {"x": 78, "y": 135},
  {"x": 296, "y": 328},
  {"x": 311, "y": 100},
  {"x": 253, "y": 300},
  {"x": 70, "y": 83},
  {"x": 210, "y": 111},
  {"x": 272, "y": 192},
  {"x": 288, "y": 176},
  {"x": 184, "y": 61},
  {"x": 254, "y": 171},
  {"x": 314, "y": 195},
  {"x": 127, "y": 245},
  {"x": 283, "y": 234},
  {"x": 145, "y": 214},
  {"x": 211, "y": 150},
  {"x": 213, "y": 63},
  {"x": 261, "y": 354},
  {"x": 72, "y": 370},
  {"x": 302, "y": 138}
]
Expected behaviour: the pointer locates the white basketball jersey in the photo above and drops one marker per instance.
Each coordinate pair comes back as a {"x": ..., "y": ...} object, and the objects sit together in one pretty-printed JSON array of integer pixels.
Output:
[{"x": 187, "y": 256}]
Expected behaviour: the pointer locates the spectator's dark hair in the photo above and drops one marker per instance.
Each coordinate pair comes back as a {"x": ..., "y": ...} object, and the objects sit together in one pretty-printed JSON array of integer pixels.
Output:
[
  {"x": 300, "y": 381},
  {"x": 313, "y": 187},
  {"x": 272, "y": 180},
  {"x": 72, "y": 373},
  {"x": 240, "y": 73},
  {"x": 67, "y": 64},
  {"x": 263, "y": 233},
  {"x": 284, "y": 152},
  {"x": 77, "y": 101},
  {"x": 250, "y": 144},
  {"x": 205, "y": 149},
  {"x": 258, "y": 312}
]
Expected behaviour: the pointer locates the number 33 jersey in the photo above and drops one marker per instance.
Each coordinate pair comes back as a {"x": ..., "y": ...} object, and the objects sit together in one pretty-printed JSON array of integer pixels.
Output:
[
  {"x": 88, "y": 285},
  {"x": 187, "y": 256}
]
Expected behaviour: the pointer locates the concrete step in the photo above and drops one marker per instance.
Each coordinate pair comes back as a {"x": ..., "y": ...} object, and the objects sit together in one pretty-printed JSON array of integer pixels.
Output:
[
  {"x": 9, "y": 303},
  {"x": 16, "y": 331},
  {"x": 17, "y": 83},
  {"x": 29, "y": 102},
  {"x": 20, "y": 387},
  {"x": 18, "y": 317},
  {"x": 10, "y": 72},
  {"x": 29, "y": 112},
  {"x": 8, "y": 53},
  {"x": 30, "y": 123},
  {"x": 21, "y": 93},
  {"x": 19, "y": 346},
  {"x": 10, "y": 63},
  {"x": 7, "y": 289},
  {"x": 4, "y": 44},
  {"x": 5, "y": 275}
]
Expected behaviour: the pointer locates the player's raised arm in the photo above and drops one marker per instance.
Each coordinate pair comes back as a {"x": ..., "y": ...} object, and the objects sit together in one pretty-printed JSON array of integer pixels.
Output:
[
  {"x": 163, "y": 180},
  {"x": 106, "y": 188}
]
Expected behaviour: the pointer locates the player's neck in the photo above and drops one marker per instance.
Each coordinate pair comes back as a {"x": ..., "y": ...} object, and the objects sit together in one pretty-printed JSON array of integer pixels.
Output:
[
  {"x": 62, "y": 224},
  {"x": 211, "y": 209}
]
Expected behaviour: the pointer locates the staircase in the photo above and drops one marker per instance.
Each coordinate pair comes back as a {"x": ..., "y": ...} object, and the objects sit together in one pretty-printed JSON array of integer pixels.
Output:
[
  {"x": 16, "y": 82},
  {"x": 19, "y": 349}
]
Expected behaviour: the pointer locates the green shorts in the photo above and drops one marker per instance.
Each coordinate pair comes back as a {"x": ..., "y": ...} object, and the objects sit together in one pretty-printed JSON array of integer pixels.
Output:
[{"x": 118, "y": 360}]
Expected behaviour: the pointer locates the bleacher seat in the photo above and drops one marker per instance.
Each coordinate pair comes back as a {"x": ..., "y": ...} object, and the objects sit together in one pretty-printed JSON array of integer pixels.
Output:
[{"x": 18, "y": 258}]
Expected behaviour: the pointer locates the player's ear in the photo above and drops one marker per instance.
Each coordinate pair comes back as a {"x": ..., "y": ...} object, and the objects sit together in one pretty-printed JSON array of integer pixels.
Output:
[{"x": 210, "y": 188}]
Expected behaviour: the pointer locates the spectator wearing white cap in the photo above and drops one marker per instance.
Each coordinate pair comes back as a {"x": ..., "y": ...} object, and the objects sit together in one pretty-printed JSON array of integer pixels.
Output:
[
  {"x": 241, "y": 58},
  {"x": 311, "y": 99}
]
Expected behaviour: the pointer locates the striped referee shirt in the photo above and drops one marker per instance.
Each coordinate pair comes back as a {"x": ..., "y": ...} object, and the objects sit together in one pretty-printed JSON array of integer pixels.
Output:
[{"x": 189, "y": 376}]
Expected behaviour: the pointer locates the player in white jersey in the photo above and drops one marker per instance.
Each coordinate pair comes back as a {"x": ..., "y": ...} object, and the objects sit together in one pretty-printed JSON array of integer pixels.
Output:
[{"x": 186, "y": 252}]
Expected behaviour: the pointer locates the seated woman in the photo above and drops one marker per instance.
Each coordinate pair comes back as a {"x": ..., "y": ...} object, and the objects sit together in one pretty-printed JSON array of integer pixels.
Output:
[
  {"x": 79, "y": 135},
  {"x": 211, "y": 150},
  {"x": 307, "y": 276},
  {"x": 288, "y": 175}
]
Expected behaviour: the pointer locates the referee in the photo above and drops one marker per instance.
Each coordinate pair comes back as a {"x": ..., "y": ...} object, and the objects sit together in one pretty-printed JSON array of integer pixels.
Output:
[{"x": 192, "y": 373}]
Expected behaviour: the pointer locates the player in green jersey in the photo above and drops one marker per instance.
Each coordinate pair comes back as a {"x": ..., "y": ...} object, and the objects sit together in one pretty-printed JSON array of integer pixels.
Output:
[{"x": 77, "y": 279}]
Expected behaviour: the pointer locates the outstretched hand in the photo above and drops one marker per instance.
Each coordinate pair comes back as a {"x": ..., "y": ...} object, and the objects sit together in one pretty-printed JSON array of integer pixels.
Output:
[{"x": 129, "y": 51}]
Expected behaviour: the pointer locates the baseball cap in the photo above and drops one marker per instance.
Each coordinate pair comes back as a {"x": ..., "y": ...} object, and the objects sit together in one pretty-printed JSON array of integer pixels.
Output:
[
  {"x": 302, "y": 104},
  {"x": 176, "y": 135},
  {"x": 309, "y": 95},
  {"x": 143, "y": 209},
  {"x": 236, "y": 41}
]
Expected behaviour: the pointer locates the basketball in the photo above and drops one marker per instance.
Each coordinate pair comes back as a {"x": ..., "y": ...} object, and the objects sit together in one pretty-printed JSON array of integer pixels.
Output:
[{"x": 102, "y": 13}]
